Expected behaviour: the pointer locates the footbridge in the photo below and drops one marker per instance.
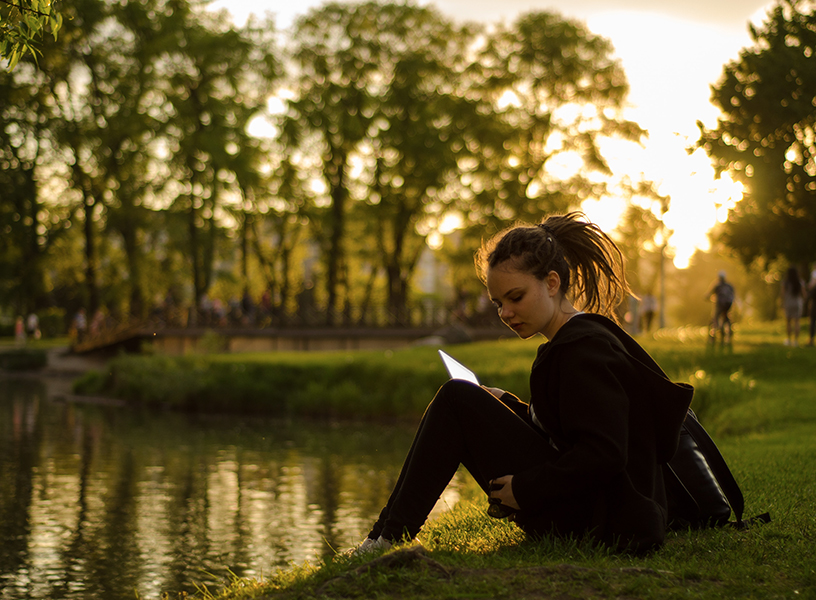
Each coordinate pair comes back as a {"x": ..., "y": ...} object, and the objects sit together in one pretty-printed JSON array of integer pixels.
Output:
[{"x": 187, "y": 340}]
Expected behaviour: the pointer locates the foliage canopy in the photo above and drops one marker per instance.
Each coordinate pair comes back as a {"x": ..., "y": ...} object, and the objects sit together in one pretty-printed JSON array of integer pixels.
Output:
[
  {"x": 766, "y": 138},
  {"x": 127, "y": 148},
  {"x": 22, "y": 23}
]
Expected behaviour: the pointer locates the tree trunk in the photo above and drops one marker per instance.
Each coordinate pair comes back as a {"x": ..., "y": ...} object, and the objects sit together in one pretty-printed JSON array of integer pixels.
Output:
[
  {"x": 336, "y": 255},
  {"x": 89, "y": 203},
  {"x": 91, "y": 284},
  {"x": 138, "y": 307},
  {"x": 196, "y": 262}
]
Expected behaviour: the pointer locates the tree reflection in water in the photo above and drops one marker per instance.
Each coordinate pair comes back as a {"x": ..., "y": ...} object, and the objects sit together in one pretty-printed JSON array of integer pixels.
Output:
[{"x": 101, "y": 502}]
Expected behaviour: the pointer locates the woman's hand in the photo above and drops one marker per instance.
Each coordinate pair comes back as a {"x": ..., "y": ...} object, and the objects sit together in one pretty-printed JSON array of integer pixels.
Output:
[
  {"x": 505, "y": 493},
  {"x": 495, "y": 391}
]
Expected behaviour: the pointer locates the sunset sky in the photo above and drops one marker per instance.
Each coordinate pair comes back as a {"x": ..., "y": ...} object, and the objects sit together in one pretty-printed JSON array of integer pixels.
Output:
[{"x": 672, "y": 52}]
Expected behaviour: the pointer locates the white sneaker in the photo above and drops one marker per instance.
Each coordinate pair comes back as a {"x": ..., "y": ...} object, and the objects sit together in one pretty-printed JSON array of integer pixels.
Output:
[{"x": 369, "y": 545}]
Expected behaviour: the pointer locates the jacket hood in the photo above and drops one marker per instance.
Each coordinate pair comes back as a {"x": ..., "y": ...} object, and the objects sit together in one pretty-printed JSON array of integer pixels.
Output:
[{"x": 669, "y": 401}]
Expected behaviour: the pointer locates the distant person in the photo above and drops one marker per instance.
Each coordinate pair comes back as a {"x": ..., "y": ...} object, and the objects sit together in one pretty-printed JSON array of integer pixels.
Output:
[
  {"x": 19, "y": 332},
  {"x": 793, "y": 301},
  {"x": 266, "y": 306},
  {"x": 80, "y": 325},
  {"x": 723, "y": 295},
  {"x": 648, "y": 309},
  {"x": 97, "y": 323},
  {"x": 33, "y": 326},
  {"x": 812, "y": 299},
  {"x": 205, "y": 306},
  {"x": 219, "y": 313},
  {"x": 247, "y": 309}
]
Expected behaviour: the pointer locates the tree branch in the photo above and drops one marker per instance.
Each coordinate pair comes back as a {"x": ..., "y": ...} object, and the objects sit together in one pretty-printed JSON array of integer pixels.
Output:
[{"x": 24, "y": 9}]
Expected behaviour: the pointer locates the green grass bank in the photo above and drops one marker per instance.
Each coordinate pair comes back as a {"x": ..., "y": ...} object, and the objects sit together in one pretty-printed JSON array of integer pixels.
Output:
[
  {"x": 757, "y": 398},
  {"x": 346, "y": 385}
]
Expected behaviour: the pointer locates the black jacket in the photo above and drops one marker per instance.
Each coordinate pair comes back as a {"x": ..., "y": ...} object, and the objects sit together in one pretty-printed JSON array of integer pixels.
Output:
[{"x": 614, "y": 417}]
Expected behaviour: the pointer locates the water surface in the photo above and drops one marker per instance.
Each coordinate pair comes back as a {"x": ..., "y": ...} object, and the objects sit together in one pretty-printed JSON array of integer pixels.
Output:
[{"x": 103, "y": 502}]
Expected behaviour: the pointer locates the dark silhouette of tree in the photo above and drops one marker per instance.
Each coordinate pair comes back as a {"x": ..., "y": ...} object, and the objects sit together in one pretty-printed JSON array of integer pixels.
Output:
[
  {"x": 26, "y": 231},
  {"x": 766, "y": 138}
]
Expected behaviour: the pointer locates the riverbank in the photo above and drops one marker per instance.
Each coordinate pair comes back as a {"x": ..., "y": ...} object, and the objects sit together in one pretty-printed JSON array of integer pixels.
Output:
[
  {"x": 60, "y": 361},
  {"x": 398, "y": 384},
  {"x": 333, "y": 385},
  {"x": 755, "y": 397}
]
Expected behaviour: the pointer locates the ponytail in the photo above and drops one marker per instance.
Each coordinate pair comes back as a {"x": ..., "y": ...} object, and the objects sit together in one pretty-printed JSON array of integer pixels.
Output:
[{"x": 588, "y": 262}]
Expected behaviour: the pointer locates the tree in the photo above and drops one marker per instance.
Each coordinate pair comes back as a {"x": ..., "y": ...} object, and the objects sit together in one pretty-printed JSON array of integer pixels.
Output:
[
  {"x": 636, "y": 234},
  {"x": 644, "y": 241},
  {"x": 418, "y": 134},
  {"x": 110, "y": 109},
  {"x": 216, "y": 80},
  {"x": 334, "y": 106},
  {"x": 286, "y": 218},
  {"x": 109, "y": 126},
  {"x": 28, "y": 227},
  {"x": 766, "y": 138},
  {"x": 100, "y": 82},
  {"x": 24, "y": 229},
  {"x": 558, "y": 91},
  {"x": 22, "y": 22}
]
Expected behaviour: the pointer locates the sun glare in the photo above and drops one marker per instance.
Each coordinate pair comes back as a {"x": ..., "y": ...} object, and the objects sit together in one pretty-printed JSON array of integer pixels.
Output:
[{"x": 671, "y": 64}]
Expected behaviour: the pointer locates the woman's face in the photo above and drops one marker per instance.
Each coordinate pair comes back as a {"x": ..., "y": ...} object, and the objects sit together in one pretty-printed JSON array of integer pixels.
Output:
[{"x": 526, "y": 304}]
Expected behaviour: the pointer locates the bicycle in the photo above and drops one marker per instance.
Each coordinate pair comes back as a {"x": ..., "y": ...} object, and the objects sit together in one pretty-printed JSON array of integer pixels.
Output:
[{"x": 721, "y": 324}]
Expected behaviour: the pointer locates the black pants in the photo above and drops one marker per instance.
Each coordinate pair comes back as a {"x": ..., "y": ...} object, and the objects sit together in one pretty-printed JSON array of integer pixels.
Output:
[{"x": 464, "y": 424}]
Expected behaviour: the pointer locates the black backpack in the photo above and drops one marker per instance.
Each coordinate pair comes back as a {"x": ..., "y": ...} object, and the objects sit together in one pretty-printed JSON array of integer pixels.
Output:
[{"x": 700, "y": 489}]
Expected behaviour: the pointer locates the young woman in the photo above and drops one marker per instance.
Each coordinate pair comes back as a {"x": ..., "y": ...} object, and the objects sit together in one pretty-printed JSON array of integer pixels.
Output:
[
  {"x": 584, "y": 456},
  {"x": 793, "y": 302}
]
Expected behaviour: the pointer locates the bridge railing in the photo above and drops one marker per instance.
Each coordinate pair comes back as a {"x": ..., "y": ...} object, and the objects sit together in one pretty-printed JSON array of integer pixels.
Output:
[{"x": 105, "y": 330}]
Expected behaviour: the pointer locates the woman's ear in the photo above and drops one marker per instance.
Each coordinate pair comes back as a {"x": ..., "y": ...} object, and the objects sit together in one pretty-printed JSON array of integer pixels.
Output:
[{"x": 553, "y": 283}]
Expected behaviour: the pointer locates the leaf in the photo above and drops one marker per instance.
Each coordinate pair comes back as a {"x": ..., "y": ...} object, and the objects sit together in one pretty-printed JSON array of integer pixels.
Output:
[{"x": 16, "y": 53}]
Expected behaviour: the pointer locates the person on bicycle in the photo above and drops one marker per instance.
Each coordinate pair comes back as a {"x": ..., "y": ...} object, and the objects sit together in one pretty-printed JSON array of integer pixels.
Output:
[{"x": 723, "y": 294}]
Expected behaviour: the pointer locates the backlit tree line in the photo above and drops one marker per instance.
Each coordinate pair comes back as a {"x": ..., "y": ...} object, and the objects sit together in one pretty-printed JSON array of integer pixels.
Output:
[
  {"x": 155, "y": 155},
  {"x": 130, "y": 171}
]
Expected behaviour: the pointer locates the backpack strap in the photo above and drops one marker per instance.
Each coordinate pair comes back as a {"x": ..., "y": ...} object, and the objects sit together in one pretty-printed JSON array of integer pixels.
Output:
[{"x": 757, "y": 520}]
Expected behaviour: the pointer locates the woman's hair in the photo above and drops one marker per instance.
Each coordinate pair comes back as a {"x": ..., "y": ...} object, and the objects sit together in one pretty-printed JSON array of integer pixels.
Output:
[
  {"x": 793, "y": 282},
  {"x": 588, "y": 262}
]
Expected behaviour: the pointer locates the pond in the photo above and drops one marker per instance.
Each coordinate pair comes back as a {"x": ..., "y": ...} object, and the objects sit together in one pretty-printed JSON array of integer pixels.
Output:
[{"x": 104, "y": 502}]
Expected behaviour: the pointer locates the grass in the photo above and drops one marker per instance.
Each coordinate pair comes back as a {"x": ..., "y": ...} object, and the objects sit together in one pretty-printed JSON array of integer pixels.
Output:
[
  {"x": 359, "y": 385},
  {"x": 757, "y": 398},
  {"x": 8, "y": 343}
]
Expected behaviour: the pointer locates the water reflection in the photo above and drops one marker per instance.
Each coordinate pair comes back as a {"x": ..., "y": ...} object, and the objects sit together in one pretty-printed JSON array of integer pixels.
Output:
[{"x": 101, "y": 502}]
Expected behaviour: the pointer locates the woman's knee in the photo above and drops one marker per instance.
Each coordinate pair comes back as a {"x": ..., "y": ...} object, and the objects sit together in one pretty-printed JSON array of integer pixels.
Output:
[{"x": 456, "y": 392}]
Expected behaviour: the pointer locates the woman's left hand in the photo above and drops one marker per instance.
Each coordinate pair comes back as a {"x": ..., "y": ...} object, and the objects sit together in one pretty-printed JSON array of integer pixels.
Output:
[{"x": 505, "y": 494}]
